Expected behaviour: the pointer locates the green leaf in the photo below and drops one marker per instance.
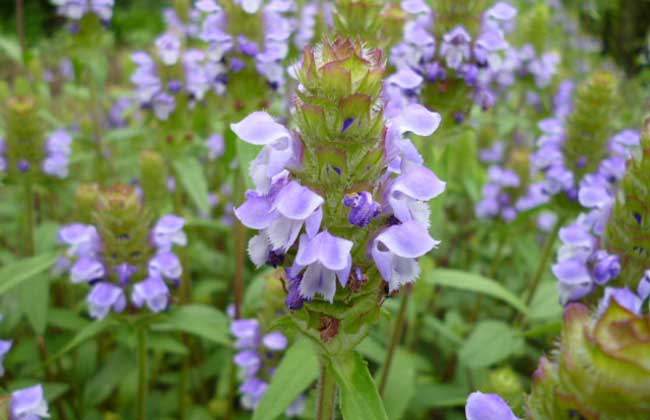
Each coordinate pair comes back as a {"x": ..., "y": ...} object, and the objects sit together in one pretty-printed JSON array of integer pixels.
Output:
[
  {"x": 190, "y": 173},
  {"x": 464, "y": 280},
  {"x": 20, "y": 271},
  {"x": 89, "y": 331},
  {"x": 359, "y": 396},
  {"x": 201, "y": 320},
  {"x": 34, "y": 298},
  {"x": 9, "y": 47},
  {"x": 430, "y": 396},
  {"x": 400, "y": 386},
  {"x": 298, "y": 369},
  {"x": 546, "y": 303},
  {"x": 489, "y": 343}
]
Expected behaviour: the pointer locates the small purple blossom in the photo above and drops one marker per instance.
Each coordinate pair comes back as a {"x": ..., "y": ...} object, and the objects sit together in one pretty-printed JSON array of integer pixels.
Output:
[
  {"x": 488, "y": 407},
  {"x": 28, "y": 404},
  {"x": 363, "y": 209},
  {"x": 104, "y": 297},
  {"x": 395, "y": 251}
]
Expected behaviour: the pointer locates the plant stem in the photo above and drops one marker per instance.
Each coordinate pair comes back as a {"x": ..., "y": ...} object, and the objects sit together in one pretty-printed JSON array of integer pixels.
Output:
[
  {"x": 142, "y": 372},
  {"x": 394, "y": 341},
  {"x": 20, "y": 29},
  {"x": 541, "y": 267},
  {"x": 546, "y": 255},
  {"x": 240, "y": 249},
  {"x": 326, "y": 393},
  {"x": 29, "y": 215}
]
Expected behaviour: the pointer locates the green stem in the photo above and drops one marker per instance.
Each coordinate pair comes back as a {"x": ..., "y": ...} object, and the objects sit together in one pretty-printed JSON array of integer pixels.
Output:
[
  {"x": 29, "y": 215},
  {"x": 541, "y": 267},
  {"x": 142, "y": 373},
  {"x": 394, "y": 341},
  {"x": 326, "y": 409},
  {"x": 543, "y": 263},
  {"x": 240, "y": 249}
]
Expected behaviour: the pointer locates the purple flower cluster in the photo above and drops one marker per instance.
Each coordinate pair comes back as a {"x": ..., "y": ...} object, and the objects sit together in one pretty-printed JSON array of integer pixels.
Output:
[
  {"x": 58, "y": 148},
  {"x": 595, "y": 190},
  {"x": 257, "y": 357},
  {"x": 475, "y": 60},
  {"x": 238, "y": 50},
  {"x": 109, "y": 284},
  {"x": 28, "y": 404},
  {"x": 582, "y": 263},
  {"x": 280, "y": 207},
  {"x": 497, "y": 198},
  {"x": 76, "y": 9},
  {"x": 218, "y": 54}
]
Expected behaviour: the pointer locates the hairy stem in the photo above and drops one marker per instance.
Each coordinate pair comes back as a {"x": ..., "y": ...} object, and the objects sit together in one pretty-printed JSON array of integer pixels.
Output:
[{"x": 326, "y": 408}]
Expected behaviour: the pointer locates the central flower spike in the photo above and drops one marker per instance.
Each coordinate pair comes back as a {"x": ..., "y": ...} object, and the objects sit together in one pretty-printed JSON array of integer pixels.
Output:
[{"x": 341, "y": 200}]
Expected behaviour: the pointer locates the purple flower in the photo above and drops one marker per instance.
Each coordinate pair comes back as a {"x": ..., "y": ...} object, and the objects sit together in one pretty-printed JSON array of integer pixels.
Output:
[
  {"x": 455, "y": 47},
  {"x": 5, "y": 346},
  {"x": 104, "y": 297},
  {"x": 169, "y": 48},
  {"x": 409, "y": 192},
  {"x": 625, "y": 142},
  {"x": 29, "y": 404},
  {"x": 253, "y": 390},
  {"x": 623, "y": 296},
  {"x": 280, "y": 149},
  {"x": 247, "y": 332},
  {"x": 281, "y": 215},
  {"x": 125, "y": 272},
  {"x": 395, "y": 251},
  {"x": 606, "y": 267},
  {"x": 294, "y": 300},
  {"x": 488, "y": 407},
  {"x": 167, "y": 265},
  {"x": 56, "y": 165},
  {"x": 545, "y": 68},
  {"x": 249, "y": 360},
  {"x": 86, "y": 269},
  {"x": 494, "y": 153},
  {"x": 216, "y": 146},
  {"x": 363, "y": 209},
  {"x": 644, "y": 286},
  {"x": 169, "y": 231},
  {"x": 163, "y": 105},
  {"x": 275, "y": 341},
  {"x": 153, "y": 291},
  {"x": 83, "y": 239},
  {"x": 325, "y": 258},
  {"x": 102, "y": 8},
  {"x": 574, "y": 279}
]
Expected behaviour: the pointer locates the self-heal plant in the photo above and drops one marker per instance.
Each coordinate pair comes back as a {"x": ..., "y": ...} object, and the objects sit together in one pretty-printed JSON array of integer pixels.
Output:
[
  {"x": 340, "y": 201},
  {"x": 122, "y": 256}
]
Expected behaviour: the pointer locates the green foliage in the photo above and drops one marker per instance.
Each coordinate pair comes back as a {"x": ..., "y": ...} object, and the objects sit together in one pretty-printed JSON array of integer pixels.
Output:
[
  {"x": 358, "y": 393},
  {"x": 295, "y": 373}
]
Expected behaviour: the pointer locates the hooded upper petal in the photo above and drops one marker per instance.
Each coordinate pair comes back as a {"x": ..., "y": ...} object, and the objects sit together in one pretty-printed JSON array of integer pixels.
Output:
[{"x": 259, "y": 128}]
